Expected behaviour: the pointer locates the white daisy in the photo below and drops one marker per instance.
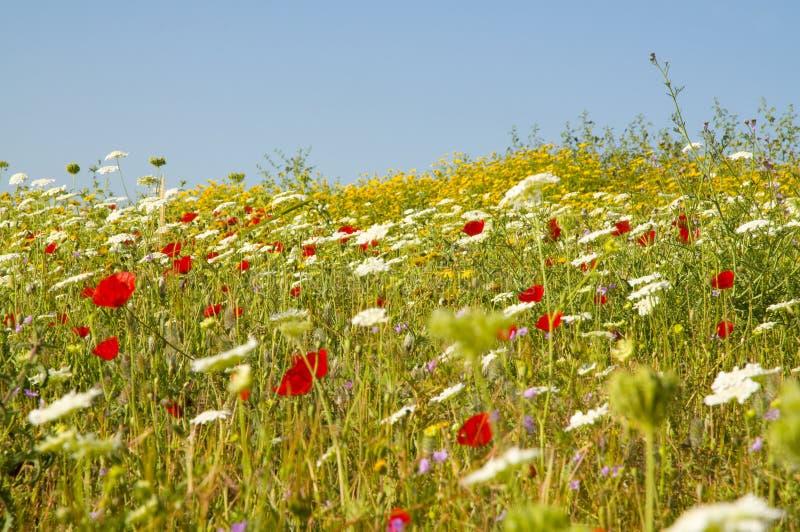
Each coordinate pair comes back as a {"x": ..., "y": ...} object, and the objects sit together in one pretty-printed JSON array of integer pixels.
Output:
[{"x": 63, "y": 406}]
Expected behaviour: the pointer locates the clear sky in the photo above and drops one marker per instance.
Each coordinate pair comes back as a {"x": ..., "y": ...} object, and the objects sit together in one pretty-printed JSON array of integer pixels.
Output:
[{"x": 368, "y": 86}]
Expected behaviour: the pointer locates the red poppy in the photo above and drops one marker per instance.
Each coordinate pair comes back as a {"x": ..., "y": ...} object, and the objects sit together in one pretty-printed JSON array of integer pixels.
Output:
[
  {"x": 233, "y": 220},
  {"x": 298, "y": 379},
  {"x": 724, "y": 328},
  {"x": 108, "y": 349},
  {"x": 212, "y": 255},
  {"x": 533, "y": 294},
  {"x": 398, "y": 520},
  {"x": 81, "y": 331},
  {"x": 244, "y": 395},
  {"x": 549, "y": 321},
  {"x": 182, "y": 265},
  {"x": 295, "y": 291},
  {"x": 237, "y": 311},
  {"x": 506, "y": 334},
  {"x": 348, "y": 230},
  {"x": 188, "y": 217},
  {"x": 310, "y": 250},
  {"x": 172, "y": 249},
  {"x": 475, "y": 432},
  {"x": 646, "y": 239},
  {"x": 115, "y": 290},
  {"x": 51, "y": 248},
  {"x": 225, "y": 289},
  {"x": 248, "y": 209},
  {"x": 10, "y": 320},
  {"x": 173, "y": 409},
  {"x": 380, "y": 302},
  {"x": 587, "y": 266},
  {"x": 474, "y": 227},
  {"x": 87, "y": 292},
  {"x": 686, "y": 236},
  {"x": 554, "y": 231},
  {"x": 277, "y": 247},
  {"x": 371, "y": 244},
  {"x": 600, "y": 299},
  {"x": 723, "y": 280},
  {"x": 243, "y": 266},
  {"x": 621, "y": 227},
  {"x": 212, "y": 310},
  {"x": 59, "y": 318}
]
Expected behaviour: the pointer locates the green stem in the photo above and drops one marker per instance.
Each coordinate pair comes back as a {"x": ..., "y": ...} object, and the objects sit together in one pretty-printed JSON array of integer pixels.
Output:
[{"x": 650, "y": 480}]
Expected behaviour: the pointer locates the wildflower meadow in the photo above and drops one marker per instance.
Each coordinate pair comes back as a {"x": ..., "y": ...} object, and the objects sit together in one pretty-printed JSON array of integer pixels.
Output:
[{"x": 600, "y": 334}]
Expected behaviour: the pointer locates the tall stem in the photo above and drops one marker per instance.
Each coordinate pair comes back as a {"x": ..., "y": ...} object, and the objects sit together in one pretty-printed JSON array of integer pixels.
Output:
[{"x": 650, "y": 480}]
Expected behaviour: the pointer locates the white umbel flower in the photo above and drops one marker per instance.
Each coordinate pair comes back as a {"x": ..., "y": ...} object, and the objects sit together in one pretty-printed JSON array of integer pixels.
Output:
[
  {"x": 116, "y": 154},
  {"x": 448, "y": 393},
  {"x": 494, "y": 466},
  {"x": 224, "y": 360},
  {"x": 580, "y": 419},
  {"x": 747, "y": 514},
  {"x": 370, "y": 317},
  {"x": 208, "y": 416},
  {"x": 783, "y": 305},
  {"x": 63, "y": 406},
  {"x": 106, "y": 170},
  {"x": 371, "y": 265},
  {"x": 751, "y": 226},
  {"x": 400, "y": 414},
  {"x": 740, "y": 155},
  {"x": 18, "y": 178},
  {"x": 737, "y": 384}
]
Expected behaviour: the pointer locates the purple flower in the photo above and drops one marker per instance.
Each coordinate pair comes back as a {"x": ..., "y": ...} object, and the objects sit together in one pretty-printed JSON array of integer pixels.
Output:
[
  {"x": 440, "y": 456},
  {"x": 772, "y": 414},
  {"x": 76, "y": 254},
  {"x": 149, "y": 257},
  {"x": 530, "y": 424},
  {"x": 530, "y": 393},
  {"x": 430, "y": 366},
  {"x": 578, "y": 456},
  {"x": 241, "y": 526},
  {"x": 400, "y": 327},
  {"x": 27, "y": 320},
  {"x": 602, "y": 290},
  {"x": 715, "y": 293},
  {"x": 424, "y": 466},
  {"x": 396, "y": 525},
  {"x": 500, "y": 517},
  {"x": 615, "y": 471},
  {"x": 574, "y": 485},
  {"x": 757, "y": 445},
  {"x": 605, "y": 471},
  {"x": 348, "y": 385},
  {"x": 518, "y": 332},
  {"x": 30, "y": 393}
]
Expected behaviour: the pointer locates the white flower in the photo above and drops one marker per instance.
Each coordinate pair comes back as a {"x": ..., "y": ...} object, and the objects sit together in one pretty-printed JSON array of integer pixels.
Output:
[
  {"x": 513, "y": 310},
  {"x": 71, "y": 280},
  {"x": 41, "y": 183},
  {"x": 527, "y": 189},
  {"x": 575, "y": 318},
  {"x": 584, "y": 259},
  {"x": 116, "y": 154},
  {"x": 63, "y": 406},
  {"x": 106, "y": 170},
  {"x": 649, "y": 289},
  {"x": 448, "y": 393},
  {"x": 767, "y": 325},
  {"x": 376, "y": 232},
  {"x": 782, "y": 305},
  {"x": 580, "y": 419},
  {"x": 753, "y": 225},
  {"x": 502, "y": 297},
  {"x": 52, "y": 375},
  {"x": 587, "y": 368},
  {"x": 691, "y": 146},
  {"x": 737, "y": 384},
  {"x": 594, "y": 235},
  {"x": 224, "y": 360},
  {"x": 740, "y": 155},
  {"x": 599, "y": 334},
  {"x": 747, "y": 514},
  {"x": 8, "y": 257},
  {"x": 646, "y": 279},
  {"x": 400, "y": 414},
  {"x": 370, "y": 317},
  {"x": 241, "y": 378},
  {"x": 209, "y": 416},
  {"x": 289, "y": 315},
  {"x": 490, "y": 469},
  {"x": 645, "y": 305},
  {"x": 371, "y": 265},
  {"x": 18, "y": 178}
]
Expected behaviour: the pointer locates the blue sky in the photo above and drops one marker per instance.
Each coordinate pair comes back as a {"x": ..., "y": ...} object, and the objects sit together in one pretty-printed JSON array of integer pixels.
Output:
[{"x": 368, "y": 86}]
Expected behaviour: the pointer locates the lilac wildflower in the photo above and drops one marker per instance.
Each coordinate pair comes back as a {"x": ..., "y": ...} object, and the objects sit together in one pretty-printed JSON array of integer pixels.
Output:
[
  {"x": 424, "y": 466},
  {"x": 772, "y": 414},
  {"x": 757, "y": 445},
  {"x": 605, "y": 471},
  {"x": 530, "y": 424},
  {"x": 30, "y": 393},
  {"x": 574, "y": 485},
  {"x": 440, "y": 456},
  {"x": 430, "y": 366}
]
